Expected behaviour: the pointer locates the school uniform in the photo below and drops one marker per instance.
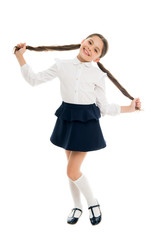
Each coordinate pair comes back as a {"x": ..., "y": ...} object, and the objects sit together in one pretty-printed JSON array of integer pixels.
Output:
[{"x": 82, "y": 88}]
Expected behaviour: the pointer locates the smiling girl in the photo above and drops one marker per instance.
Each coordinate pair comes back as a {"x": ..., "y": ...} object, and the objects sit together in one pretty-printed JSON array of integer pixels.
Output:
[{"x": 77, "y": 129}]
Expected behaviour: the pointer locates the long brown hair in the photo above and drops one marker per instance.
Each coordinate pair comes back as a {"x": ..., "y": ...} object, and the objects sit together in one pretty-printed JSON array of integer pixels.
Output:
[{"x": 77, "y": 46}]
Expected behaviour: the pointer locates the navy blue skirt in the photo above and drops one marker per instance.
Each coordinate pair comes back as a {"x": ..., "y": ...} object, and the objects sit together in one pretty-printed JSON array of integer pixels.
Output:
[{"x": 77, "y": 127}]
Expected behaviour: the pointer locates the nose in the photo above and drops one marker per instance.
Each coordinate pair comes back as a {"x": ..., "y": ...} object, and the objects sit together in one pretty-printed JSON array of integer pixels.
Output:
[
  {"x": 91, "y": 48},
  {"x": 89, "y": 51}
]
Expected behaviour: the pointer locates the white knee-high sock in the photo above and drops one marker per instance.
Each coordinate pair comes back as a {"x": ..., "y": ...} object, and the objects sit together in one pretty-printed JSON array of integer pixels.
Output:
[
  {"x": 75, "y": 192},
  {"x": 83, "y": 185}
]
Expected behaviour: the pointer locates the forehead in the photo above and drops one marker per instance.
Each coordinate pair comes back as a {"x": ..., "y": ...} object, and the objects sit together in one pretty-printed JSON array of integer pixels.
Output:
[{"x": 97, "y": 41}]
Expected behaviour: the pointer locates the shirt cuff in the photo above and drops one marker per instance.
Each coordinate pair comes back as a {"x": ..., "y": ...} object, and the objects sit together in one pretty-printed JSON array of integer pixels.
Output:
[
  {"x": 24, "y": 66},
  {"x": 111, "y": 109}
]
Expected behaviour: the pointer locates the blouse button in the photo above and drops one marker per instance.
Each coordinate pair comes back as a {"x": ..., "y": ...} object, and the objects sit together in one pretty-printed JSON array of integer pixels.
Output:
[
  {"x": 75, "y": 91},
  {"x": 77, "y": 78}
]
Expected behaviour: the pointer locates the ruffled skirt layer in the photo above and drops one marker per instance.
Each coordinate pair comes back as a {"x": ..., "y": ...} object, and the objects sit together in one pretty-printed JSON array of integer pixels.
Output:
[{"x": 77, "y": 127}]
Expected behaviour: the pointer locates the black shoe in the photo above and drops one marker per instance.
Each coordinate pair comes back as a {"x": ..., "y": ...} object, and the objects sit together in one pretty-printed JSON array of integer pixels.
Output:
[
  {"x": 73, "y": 220},
  {"x": 95, "y": 220}
]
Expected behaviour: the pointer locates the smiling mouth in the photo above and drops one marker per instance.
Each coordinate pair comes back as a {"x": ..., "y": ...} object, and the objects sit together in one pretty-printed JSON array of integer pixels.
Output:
[{"x": 86, "y": 52}]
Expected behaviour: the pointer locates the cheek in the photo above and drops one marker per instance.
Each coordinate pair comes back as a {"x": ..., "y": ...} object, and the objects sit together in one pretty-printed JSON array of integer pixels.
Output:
[
  {"x": 82, "y": 46},
  {"x": 95, "y": 54}
]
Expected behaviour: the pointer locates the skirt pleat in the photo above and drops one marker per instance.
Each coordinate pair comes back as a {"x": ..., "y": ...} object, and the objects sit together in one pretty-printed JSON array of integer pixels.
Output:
[{"x": 77, "y": 128}]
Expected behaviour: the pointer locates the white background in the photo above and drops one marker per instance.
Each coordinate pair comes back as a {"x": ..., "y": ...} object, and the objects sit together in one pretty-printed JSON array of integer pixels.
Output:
[{"x": 35, "y": 196}]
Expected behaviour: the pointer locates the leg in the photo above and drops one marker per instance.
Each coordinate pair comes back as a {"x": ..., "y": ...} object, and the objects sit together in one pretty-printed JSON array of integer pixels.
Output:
[
  {"x": 74, "y": 189},
  {"x": 75, "y": 192},
  {"x": 74, "y": 168},
  {"x": 74, "y": 174},
  {"x": 75, "y": 160},
  {"x": 68, "y": 152}
]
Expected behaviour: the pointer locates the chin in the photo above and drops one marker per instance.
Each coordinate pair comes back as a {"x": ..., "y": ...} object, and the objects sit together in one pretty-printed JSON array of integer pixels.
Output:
[{"x": 86, "y": 58}]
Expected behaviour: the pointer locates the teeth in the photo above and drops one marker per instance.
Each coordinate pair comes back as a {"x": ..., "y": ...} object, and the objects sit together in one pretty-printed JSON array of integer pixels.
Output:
[{"x": 86, "y": 52}]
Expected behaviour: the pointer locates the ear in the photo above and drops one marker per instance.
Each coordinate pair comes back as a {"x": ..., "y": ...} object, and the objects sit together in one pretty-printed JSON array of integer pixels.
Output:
[{"x": 97, "y": 60}]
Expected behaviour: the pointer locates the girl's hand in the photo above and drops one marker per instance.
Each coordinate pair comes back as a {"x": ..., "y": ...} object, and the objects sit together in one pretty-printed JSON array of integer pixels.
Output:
[
  {"x": 135, "y": 104},
  {"x": 21, "y": 47}
]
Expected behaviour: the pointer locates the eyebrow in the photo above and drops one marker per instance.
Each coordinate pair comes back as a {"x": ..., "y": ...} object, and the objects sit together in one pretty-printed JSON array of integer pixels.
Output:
[{"x": 96, "y": 47}]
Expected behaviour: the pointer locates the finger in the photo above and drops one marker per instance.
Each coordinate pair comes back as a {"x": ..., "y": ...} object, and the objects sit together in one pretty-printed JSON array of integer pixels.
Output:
[
  {"x": 138, "y": 101},
  {"x": 138, "y": 105}
]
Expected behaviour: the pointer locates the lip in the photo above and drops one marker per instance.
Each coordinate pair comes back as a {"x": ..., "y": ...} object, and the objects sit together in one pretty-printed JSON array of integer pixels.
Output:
[{"x": 85, "y": 52}]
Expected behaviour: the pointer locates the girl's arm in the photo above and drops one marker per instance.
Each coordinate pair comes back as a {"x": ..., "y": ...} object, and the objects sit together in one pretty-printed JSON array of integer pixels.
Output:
[
  {"x": 131, "y": 108},
  {"x": 20, "y": 52},
  {"x": 20, "y": 58},
  {"x": 125, "y": 109},
  {"x": 101, "y": 100},
  {"x": 112, "y": 109},
  {"x": 29, "y": 75}
]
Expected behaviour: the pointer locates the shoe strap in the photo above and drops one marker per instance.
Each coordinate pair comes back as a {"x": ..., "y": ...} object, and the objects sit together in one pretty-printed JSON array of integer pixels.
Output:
[
  {"x": 91, "y": 207},
  {"x": 74, "y": 210},
  {"x": 77, "y": 209}
]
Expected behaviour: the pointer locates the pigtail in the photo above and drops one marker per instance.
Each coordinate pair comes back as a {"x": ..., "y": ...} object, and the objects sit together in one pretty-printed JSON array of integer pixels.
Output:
[
  {"x": 51, "y": 48},
  {"x": 118, "y": 85}
]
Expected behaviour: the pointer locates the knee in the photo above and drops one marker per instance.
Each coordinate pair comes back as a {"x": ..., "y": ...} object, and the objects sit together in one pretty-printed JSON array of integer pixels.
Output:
[{"x": 72, "y": 174}]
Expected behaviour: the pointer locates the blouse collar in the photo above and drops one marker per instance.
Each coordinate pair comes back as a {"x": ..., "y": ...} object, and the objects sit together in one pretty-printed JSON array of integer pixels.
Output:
[{"x": 77, "y": 61}]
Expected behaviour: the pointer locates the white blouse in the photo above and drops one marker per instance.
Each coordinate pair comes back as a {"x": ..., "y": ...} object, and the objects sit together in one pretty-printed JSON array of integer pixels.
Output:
[{"x": 80, "y": 83}]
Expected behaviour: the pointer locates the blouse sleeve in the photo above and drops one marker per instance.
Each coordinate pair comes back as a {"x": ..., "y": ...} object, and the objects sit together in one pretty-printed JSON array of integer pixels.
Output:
[
  {"x": 37, "y": 78},
  {"x": 101, "y": 101}
]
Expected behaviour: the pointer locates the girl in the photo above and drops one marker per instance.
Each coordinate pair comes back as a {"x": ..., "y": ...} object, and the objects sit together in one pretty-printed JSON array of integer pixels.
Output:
[{"x": 77, "y": 128}]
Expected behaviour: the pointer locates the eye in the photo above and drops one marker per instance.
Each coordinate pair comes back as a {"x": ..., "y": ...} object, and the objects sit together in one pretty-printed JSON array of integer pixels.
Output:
[
  {"x": 90, "y": 42},
  {"x": 95, "y": 50}
]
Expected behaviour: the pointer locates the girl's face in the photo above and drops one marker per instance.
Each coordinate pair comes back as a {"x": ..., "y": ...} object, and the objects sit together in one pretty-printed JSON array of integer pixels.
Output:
[{"x": 90, "y": 49}]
